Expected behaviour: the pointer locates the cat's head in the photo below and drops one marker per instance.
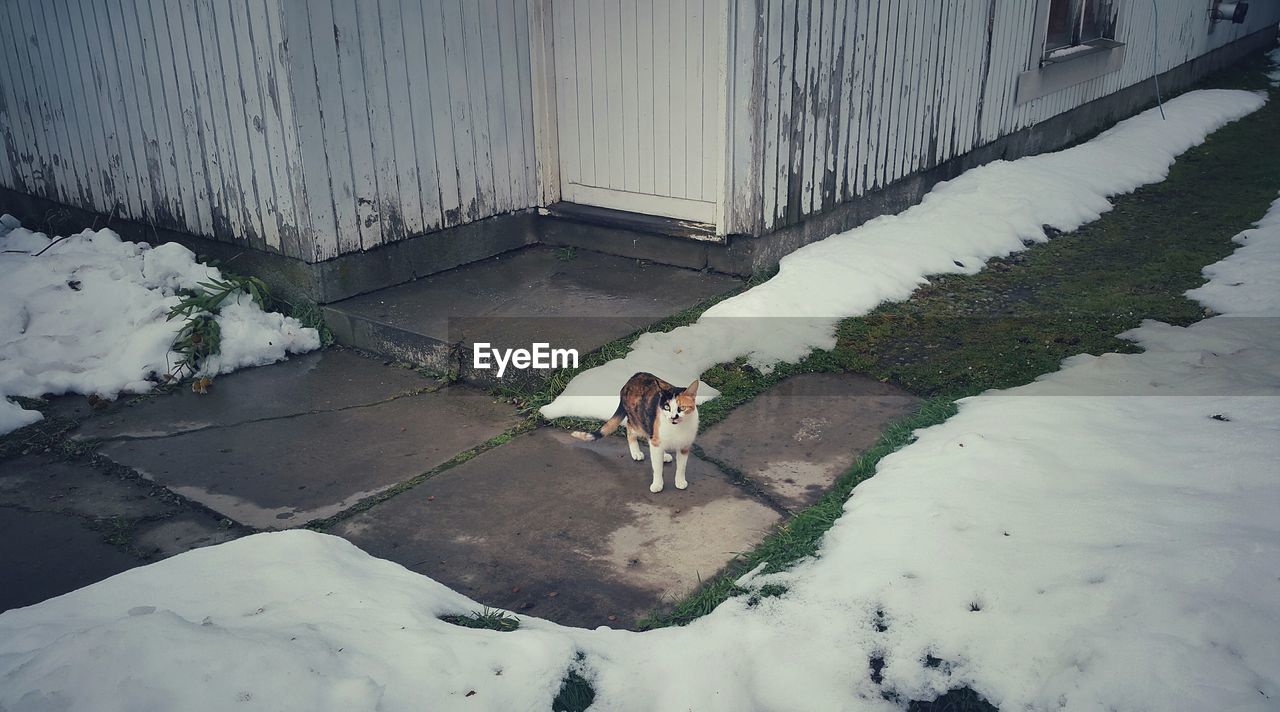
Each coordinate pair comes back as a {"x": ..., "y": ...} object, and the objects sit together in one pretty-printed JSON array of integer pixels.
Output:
[{"x": 684, "y": 405}]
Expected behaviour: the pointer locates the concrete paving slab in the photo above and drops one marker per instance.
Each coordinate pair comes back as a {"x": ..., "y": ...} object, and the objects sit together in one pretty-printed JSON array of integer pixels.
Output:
[
  {"x": 44, "y": 484},
  {"x": 314, "y": 382},
  {"x": 518, "y": 298},
  {"x": 77, "y": 408},
  {"x": 281, "y": 473},
  {"x": 568, "y": 531},
  {"x": 795, "y": 439},
  {"x": 46, "y": 554},
  {"x": 55, "y": 517},
  {"x": 184, "y": 532}
]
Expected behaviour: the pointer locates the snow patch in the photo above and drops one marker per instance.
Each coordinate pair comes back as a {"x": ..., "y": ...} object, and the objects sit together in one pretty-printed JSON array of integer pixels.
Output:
[
  {"x": 89, "y": 316},
  {"x": 1061, "y": 545}
]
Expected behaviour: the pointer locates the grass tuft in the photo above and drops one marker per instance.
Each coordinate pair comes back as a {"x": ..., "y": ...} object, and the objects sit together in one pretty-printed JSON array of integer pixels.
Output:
[
  {"x": 488, "y": 619},
  {"x": 576, "y": 693},
  {"x": 962, "y": 699},
  {"x": 312, "y": 315}
]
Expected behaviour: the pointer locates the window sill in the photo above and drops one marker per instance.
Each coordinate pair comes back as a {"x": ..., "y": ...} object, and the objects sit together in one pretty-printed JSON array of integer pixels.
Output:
[
  {"x": 1067, "y": 54},
  {"x": 1067, "y": 69}
]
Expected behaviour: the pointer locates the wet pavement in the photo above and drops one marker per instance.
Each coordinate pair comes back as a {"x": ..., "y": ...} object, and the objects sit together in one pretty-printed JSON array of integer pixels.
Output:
[
  {"x": 795, "y": 439},
  {"x": 65, "y": 525},
  {"x": 560, "y": 529},
  {"x": 444, "y": 479},
  {"x": 285, "y": 471},
  {"x": 517, "y": 517}
]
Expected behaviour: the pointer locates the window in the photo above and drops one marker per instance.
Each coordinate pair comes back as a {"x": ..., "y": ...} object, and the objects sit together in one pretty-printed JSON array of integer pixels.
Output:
[
  {"x": 1074, "y": 41},
  {"x": 1076, "y": 26}
]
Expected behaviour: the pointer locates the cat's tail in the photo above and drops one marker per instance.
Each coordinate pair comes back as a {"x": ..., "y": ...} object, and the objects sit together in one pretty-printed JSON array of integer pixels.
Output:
[{"x": 608, "y": 427}]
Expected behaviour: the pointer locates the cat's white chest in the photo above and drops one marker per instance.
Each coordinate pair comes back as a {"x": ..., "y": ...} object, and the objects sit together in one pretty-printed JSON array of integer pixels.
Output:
[{"x": 680, "y": 435}]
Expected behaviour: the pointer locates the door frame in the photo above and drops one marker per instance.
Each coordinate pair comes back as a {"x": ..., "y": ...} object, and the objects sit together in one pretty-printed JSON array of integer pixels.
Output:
[{"x": 545, "y": 122}]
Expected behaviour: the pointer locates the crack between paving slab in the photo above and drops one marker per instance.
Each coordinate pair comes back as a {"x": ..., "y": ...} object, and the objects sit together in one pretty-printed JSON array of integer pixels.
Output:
[
  {"x": 64, "y": 449},
  {"x": 326, "y": 523},
  {"x": 106, "y": 466},
  {"x": 741, "y": 481},
  {"x": 434, "y": 388}
]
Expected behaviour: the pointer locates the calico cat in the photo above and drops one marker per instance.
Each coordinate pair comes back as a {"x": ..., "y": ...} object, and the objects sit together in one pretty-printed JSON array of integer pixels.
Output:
[{"x": 663, "y": 414}]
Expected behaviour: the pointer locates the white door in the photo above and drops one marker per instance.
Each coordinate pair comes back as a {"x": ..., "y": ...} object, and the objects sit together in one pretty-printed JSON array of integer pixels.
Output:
[{"x": 639, "y": 104}]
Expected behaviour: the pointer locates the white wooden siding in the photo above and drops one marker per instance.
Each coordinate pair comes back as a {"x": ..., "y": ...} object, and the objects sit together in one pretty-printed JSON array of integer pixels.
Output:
[
  {"x": 161, "y": 111},
  {"x": 315, "y": 128},
  {"x": 639, "y": 104},
  {"x": 309, "y": 128},
  {"x": 858, "y": 94},
  {"x": 412, "y": 115}
]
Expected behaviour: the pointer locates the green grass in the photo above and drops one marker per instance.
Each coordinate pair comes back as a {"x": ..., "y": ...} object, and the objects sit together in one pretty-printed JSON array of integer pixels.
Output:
[
  {"x": 576, "y": 693},
  {"x": 117, "y": 531},
  {"x": 1023, "y": 314},
  {"x": 487, "y": 619},
  {"x": 958, "y": 700},
  {"x": 312, "y": 315}
]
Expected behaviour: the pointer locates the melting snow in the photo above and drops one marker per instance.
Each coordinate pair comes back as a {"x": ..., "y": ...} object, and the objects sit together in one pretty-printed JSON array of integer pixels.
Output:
[
  {"x": 89, "y": 316},
  {"x": 1107, "y": 537}
]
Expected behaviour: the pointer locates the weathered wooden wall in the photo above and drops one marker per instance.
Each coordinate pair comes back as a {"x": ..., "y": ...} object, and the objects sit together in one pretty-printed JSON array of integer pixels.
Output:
[
  {"x": 413, "y": 115},
  {"x": 169, "y": 112},
  {"x": 860, "y": 93},
  {"x": 324, "y": 127},
  {"x": 311, "y": 129}
]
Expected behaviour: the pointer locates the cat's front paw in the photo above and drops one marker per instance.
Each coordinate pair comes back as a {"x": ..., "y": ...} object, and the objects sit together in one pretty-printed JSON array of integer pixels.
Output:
[
  {"x": 681, "y": 484},
  {"x": 666, "y": 457},
  {"x": 637, "y": 456},
  {"x": 656, "y": 487}
]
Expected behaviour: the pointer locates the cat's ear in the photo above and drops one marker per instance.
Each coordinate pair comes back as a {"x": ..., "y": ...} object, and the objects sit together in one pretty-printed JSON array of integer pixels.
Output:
[{"x": 693, "y": 388}]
